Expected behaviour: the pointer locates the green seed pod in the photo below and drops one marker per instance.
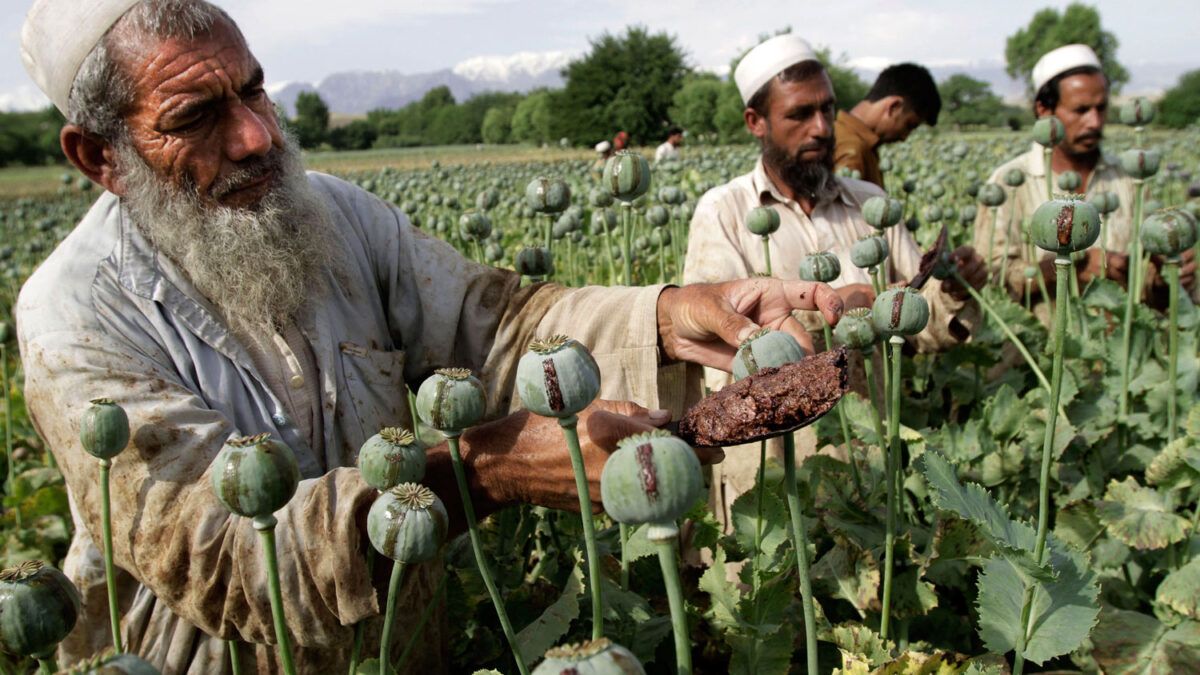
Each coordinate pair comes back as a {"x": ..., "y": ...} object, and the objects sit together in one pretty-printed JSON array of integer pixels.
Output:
[
  {"x": 967, "y": 215},
  {"x": 1141, "y": 162},
  {"x": 658, "y": 215},
  {"x": 1152, "y": 205},
  {"x": 104, "y": 430},
  {"x": 597, "y": 657},
  {"x": 652, "y": 478},
  {"x": 38, "y": 608},
  {"x": 933, "y": 213},
  {"x": 535, "y": 261},
  {"x": 993, "y": 195},
  {"x": 557, "y": 377},
  {"x": 408, "y": 523},
  {"x": 487, "y": 200},
  {"x": 881, "y": 212},
  {"x": 254, "y": 475},
  {"x": 762, "y": 220},
  {"x": 474, "y": 225},
  {"x": 451, "y": 400},
  {"x": 1048, "y": 131},
  {"x": 900, "y": 311},
  {"x": 1137, "y": 111},
  {"x": 1065, "y": 225},
  {"x": 546, "y": 195},
  {"x": 110, "y": 662},
  {"x": 670, "y": 194},
  {"x": 821, "y": 266},
  {"x": 627, "y": 175},
  {"x": 765, "y": 349},
  {"x": 1069, "y": 181},
  {"x": 603, "y": 219},
  {"x": 909, "y": 185},
  {"x": 937, "y": 190},
  {"x": 660, "y": 236},
  {"x": 600, "y": 198},
  {"x": 565, "y": 225},
  {"x": 856, "y": 330},
  {"x": 493, "y": 253},
  {"x": 1168, "y": 233},
  {"x": 391, "y": 457},
  {"x": 1029, "y": 272},
  {"x": 1014, "y": 177},
  {"x": 869, "y": 251},
  {"x": 1105, "y": 202}
]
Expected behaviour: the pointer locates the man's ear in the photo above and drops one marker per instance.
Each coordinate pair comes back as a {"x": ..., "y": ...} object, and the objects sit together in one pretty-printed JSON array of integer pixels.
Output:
[
  {"x": 93, "y": 156},
  {"x": 894, "y": 106},
  {"x": 756, "y": 123},
  {"x": 1040, "y": 110}
]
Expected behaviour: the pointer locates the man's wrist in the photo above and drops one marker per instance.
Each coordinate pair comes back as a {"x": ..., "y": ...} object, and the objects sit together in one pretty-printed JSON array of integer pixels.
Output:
[{"x": 665, "y": 325}]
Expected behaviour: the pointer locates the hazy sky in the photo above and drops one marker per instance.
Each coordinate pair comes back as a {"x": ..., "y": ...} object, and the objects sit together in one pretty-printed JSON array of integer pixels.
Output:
[{"x": 307, "y": 40}]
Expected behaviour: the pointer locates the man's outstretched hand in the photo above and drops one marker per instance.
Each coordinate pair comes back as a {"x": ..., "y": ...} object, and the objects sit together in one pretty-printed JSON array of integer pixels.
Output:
[{"x": 705, "y": 323}]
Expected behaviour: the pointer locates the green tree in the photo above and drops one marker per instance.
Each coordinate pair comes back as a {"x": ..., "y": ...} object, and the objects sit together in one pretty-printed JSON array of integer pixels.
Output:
[
  {"x": 624, "y": 83},
  {"x": 968, "y": 101},
  {"x": 531, "y": 121},
  {"x": 1180, "y": 106},
  {"x": 1049, "y": 30},
  {"x": 356, "y": 135},
  {"x": 694, "y": 106},
  {"x": 497, "y": 124},
  {"x": 312, "y": 119},
  {"x": 848, "y": 87}
]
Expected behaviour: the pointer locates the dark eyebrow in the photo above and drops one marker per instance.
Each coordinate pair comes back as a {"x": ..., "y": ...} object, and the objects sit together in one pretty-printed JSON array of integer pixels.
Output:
[{"x": 255, "y": 81}]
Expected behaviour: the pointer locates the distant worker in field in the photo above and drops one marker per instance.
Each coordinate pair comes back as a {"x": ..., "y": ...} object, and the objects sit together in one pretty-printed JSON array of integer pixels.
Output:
[
  {"x": 669, "y": 150},
  {"x": 216, "y": 289},
  {"x": 903, "y": 98},
  {"x": 789, "y": 107},
  {"x": 1069, "y": 85}
]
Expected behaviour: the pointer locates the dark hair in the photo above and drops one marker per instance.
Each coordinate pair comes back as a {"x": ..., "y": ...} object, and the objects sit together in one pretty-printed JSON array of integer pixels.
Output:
[
  {"x": 797, "y": 72},
  {"x": 672, "y": 130},
  {"x": 914, "y": 84},
  {"x": 1048, "y": 94}
]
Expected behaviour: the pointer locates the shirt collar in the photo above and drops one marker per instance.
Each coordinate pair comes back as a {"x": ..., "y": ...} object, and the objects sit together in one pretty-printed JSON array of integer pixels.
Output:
[
  {"x": 766, "y": 191},
  {"x": 858, "y": 128}
]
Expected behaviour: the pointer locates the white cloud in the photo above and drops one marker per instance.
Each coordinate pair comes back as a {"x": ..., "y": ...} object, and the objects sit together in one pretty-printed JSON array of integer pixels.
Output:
[
  {"x": 23, "y": 98},
  {"x": 502, "y": 68}
]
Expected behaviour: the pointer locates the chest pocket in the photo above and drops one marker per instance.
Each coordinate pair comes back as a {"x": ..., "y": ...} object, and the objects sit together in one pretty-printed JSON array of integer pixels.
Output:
[{"x": 375, "y": 394}]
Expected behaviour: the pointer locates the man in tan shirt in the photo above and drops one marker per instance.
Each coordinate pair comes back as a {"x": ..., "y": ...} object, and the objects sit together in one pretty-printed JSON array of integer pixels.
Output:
[
  {"x": 789, "y": 108},
  {"x": 903, "y": 98},
  {"x": 1071, "y": 87}
]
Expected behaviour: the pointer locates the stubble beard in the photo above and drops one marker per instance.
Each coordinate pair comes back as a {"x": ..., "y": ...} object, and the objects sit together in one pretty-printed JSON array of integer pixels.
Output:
[
  {"x": 813, "y": 178},
  {"x": 256, "y": 265}
]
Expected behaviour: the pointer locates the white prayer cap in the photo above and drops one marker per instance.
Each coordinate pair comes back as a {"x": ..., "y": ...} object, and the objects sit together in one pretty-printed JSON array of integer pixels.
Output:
[
  {"x": 59, "y": 34},
  {"x": 768, "y": 60},
  {"x": 1058, "y": 61},
  {"x": 603, "y": 146}
]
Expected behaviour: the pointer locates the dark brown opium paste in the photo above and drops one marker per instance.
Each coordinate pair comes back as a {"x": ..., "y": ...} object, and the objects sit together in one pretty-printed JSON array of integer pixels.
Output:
[{"x": 772, "y": 401}]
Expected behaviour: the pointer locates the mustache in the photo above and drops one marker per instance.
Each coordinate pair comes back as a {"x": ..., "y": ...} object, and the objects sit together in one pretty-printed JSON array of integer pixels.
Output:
[
  {"x": 824, "y": 143},
  {"x": 250, "y": 170},
  {"x": 1090, "y": 135}
]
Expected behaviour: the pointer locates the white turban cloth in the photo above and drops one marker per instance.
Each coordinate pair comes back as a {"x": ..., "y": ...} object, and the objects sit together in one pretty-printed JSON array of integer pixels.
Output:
[
  {"x": 768, "y": 60},
  {"x": 1058, "y": 61}
]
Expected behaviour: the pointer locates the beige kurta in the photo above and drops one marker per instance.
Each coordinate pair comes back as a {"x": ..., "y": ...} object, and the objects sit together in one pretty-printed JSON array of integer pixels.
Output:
[
  {"x": 1022, "y": 201},
  {"x": 106, "y": 316},
  {"x": 720, "y": 248}
]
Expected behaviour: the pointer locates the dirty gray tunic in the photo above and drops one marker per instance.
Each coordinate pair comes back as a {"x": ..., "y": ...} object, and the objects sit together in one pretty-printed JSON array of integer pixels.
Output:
[{"x": 105, "y": 316}]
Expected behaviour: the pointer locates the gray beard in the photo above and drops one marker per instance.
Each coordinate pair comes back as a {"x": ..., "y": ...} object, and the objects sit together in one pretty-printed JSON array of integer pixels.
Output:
[
  {"x": 256, "y": 265},
  {"x": 813, "y": 179}
]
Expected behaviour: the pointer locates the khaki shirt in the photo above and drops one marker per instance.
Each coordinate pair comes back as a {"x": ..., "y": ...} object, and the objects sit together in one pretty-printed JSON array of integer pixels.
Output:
[
  {"x": 857, "y": 147},
  {"x": 721, "y": 248},
  {"x": 1010, "y": 224},
  {"x": 106, "y": 316}
]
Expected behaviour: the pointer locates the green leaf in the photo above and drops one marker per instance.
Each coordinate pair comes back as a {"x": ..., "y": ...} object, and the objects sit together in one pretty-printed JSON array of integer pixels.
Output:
[
  {"x": 371, "y": 667},
  {"x": 639, "y": 545},
  {"x": 853, "y": 572},
  {"x": 545, "y": 631},
  {"x": 706, "y": 531},
  {"x": 1132, "y": 643},
  {"x": 1180, "y": 590},
  {"x": 1005, "y": 413},
  {"x": 744, "y": 514},
  {"x": 912, "y": 595},
  {"x": 1176, "y": 466},
  {"x": 766, "y": 653},
  {"x": 724, "y": 596},
  {"x": 1014, "y": 540},
  {"x": 1063, "y": 611},
  {"x": 1192, "y": 423},
  {"x": 1139, "y": 516},
  {"x": 489, "y": 671},
  {"x": 630, "y": 621},
  {"x": 1105, "y": 294},
  {"x": 858, "y": 640},
  {"x": 1078, "y": 525}
]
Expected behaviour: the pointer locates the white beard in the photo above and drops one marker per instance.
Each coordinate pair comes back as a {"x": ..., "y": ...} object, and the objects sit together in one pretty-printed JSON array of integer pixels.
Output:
[{"x": 257, "y": 265}]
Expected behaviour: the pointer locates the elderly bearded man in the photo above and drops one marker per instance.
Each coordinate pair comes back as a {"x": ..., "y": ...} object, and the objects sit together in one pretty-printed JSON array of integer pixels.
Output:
[
  {"x": 1070, "y": 86},
  {"x": 789, "y": 108},
  {"x": 216, "y": 290}
]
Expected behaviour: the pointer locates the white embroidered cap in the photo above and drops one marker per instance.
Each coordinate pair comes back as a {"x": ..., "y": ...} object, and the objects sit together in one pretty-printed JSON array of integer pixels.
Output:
[
  {"x": 1058, "y": 61},
  {"x": 59, "y": 34},
  {"x": 768, "y": 60},
  {"x": 603, "y": 146}
]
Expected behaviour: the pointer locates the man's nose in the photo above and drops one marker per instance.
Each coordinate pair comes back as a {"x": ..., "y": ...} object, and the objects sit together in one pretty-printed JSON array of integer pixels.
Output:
[{"x": 248, "y": 134}]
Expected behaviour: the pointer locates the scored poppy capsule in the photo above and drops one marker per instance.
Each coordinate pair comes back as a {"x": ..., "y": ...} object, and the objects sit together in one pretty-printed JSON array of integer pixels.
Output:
[
  {"x": 856, "y": 329},
  {"x": 1168, "y": 233},
  {"x": 391, "y": 457},
  {"x": 595, "y": 657},
  {"x": 1048, "y": 131},
  {"x": 1065, "y": 225},
  {"x": 1137, "y": 111},
  {"x": 881, "y": 212},
  {"x": 255, "y": 476},
  {"x": 991, "y": 194},
  {"x": 1141, "y": 162},
  {"x": 652, "y": 477},
  {"x": 451, "y": 400},
  {"x": 869, "y": 251},
  {"x": 408, "y": 523},
  {"x": 671, "y": 194},
  {"x": 474, "y": 225},
  {"x": 822, "y": 266},
  {"x": 765, "y": 349},
  {"x": 535, "y": 261},
  {"x": 38, "y": 608},
  {"x": 547, "y": 195},
  {"x": 104, "y": 429},
  {"x": 762, "y": 220},
  {"x": 900, "y": 311},
  {"x": 627, "y": 175},
  {"x": 557, "y": 377}
]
